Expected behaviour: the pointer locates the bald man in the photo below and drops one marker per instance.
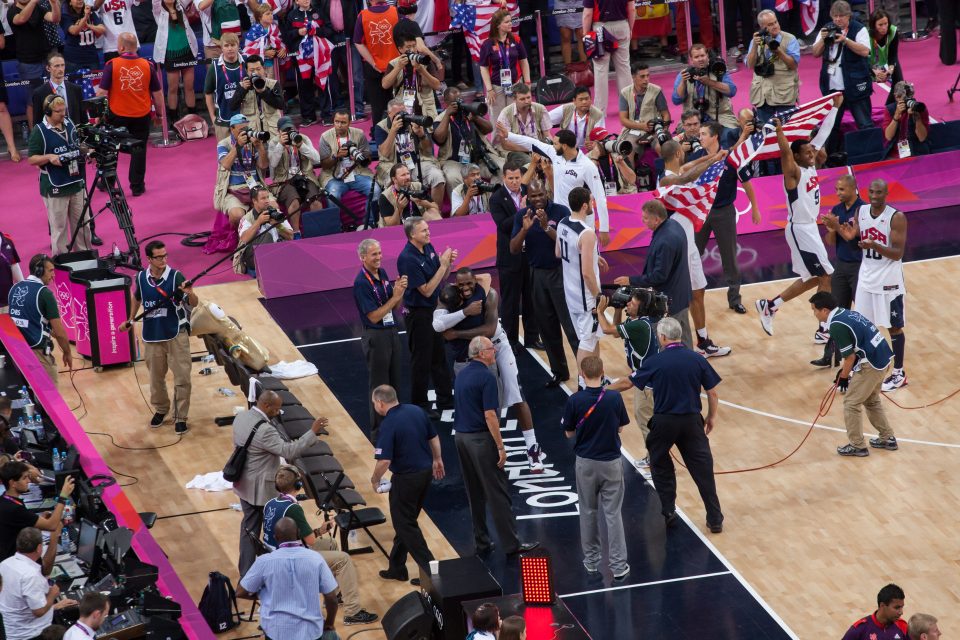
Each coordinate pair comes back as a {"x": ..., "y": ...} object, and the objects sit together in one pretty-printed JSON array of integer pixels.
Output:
[{"x": 266, "y": 447}]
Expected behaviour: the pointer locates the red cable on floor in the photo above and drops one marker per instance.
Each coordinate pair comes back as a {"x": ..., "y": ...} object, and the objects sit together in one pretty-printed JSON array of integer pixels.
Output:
[{"x": 924, "y": 406}]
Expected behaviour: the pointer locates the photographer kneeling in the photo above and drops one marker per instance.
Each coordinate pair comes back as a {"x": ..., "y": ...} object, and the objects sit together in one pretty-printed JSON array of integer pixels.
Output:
[
  {"x": 347, "y": 168},
  {"x": 461, "y": 136},
  {"x": 609, "y": 154},
  {"x": 262, "y": 224},
  {"x": 906, "y": 124},
  {"x": 405, "y": 198},
  {"x": 402, "y": 138},
  {"x": 292, "y": 160},
  {"x": 242, "y": 159},
  {"x": 473, "y": 194}
]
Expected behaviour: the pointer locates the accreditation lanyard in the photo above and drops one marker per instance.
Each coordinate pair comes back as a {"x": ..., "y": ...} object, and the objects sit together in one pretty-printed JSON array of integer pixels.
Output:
[
  {"x": 410, "y": 79},
  {"x": 295, "y": 543},
  {"x": 15, "y": 501},
  {"x": 576, "y": 128},
  {"x": 244, "y": 156},
  {"x": 637, "y": 101},
  {"x": 523, "y": 125},
  {"x": 82, "y": 627},
  {"x": 373, "y": 285},
  {"x": 223, "y": 69},
  {"x": 673, "y": 345},
  {"x": 503, "y": 52},
  {"x": 590, "y": 410}
]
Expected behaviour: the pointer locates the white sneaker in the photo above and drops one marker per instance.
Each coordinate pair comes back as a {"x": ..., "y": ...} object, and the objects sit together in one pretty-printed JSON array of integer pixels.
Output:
[
  {"x": 894, "y": 381},
  {"x": 533, "y": 459},
  {"x": 821, "y": 337},
  {"x": 766, "y": 315},
  {"x": 619, "y": 575},
  {"x": 643, "y": 463},
  {"x": 707, "y": 349}
]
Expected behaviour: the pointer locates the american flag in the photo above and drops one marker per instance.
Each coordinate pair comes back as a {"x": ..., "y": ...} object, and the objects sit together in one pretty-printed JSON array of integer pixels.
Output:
[
  {"x": 481, "y": 27},
  {"x": 809, "y": 12},
  {"x": 260, "y": 38},
  {"x": 798, "y": 123},
  {"x": 694, "y": 200},
  {"x": 314, "y": 53}
]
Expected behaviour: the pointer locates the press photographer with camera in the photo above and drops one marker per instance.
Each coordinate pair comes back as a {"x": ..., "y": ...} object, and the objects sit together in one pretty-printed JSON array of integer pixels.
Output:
[
  {"x": 906, "y": 124},
  {"x": 409, "y": 77},
  {"x": 461, "y": 137},
  {"x": 473, "y": 194},
  {"x": 262, "y": 224},
  {"x": 405, "y": 198},
  {"x": 292, "y": 162},
  {"x": 524, "y": 117},
  {"x": 580, "y": 116},
  {"x": 402, "y": 138},
  {"x": 643, "y": 111},
  {"x": 774, "y": 56},
  {"x": 844, "y": 45},
  {"x": 610, "y": 154},
  {"x": 258, "y": 97},
  {"x": 688, "y": 136},
  {"x": 347, "y": 168},
  {"x": 243, "y": 161},
  {"x": 705, "y": 86}
]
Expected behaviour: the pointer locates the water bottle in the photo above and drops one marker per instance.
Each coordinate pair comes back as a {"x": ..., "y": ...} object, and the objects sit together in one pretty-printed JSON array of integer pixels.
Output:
[
  {"x": 226, "y": 392},
  {"x": 57, "y": 460},
  {"x": 207, "y": 371},
  {"x": 38, "y": 429},
  {"x": 208, "y": 358},
  {"x": 68, "y": 512}
]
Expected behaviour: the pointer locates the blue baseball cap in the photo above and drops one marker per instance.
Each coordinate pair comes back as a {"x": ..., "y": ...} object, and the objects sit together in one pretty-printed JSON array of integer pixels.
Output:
[{"x": 238, "y": 118}]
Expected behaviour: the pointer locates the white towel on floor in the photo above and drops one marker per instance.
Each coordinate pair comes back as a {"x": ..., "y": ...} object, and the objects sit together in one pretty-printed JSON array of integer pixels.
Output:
[
  {"x": 212, "y": 481},
  {"x": 295, "y": 369}
]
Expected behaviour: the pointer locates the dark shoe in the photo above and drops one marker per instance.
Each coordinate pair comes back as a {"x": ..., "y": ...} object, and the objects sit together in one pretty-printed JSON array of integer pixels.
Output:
[
  {"x": 326, "y": 120},
  {"x": 671, "y": 519},
  {"x": 739, "y": 308},
  {"x": 715, "y": 528},
  {"x": 386, "y": 574},
  {"x": 890, "y": 444},
  {"x": 525, "y": 547},
  {"x": 181, "y": 427},
  {"x": 850, "y": 450},
  {"x": 306, "y": 122},
  {"x": 157, "y": 419},
  {"x": 555, "y": 382},
  {"x": 415, "y": 582},
  {"x": 538, "y": 345},
  {"x": 825, "y": 361},
  {"x": 137, "y": 191},
  {"x": 96, "y": 240},
  {"x": 360, "y": 617},
  {"x": 620, "y": 575}
]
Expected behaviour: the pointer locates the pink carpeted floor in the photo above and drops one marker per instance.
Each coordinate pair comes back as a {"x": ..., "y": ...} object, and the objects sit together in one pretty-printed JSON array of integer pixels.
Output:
[{"x": 180, "y": 180}]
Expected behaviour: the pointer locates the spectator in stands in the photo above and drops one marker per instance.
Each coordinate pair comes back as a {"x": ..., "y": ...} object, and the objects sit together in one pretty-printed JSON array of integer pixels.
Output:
[
  {"x": 580, "y": 116},
  {"x": 94, "y": 609},
  {"x": 292, "y": 163},
  {"x": 242, "y": 166},
  {"x": 709, "y": 95},
  {"x": 906, "y": 124},
  {"x": 486, "y": 622},
  {"x": 462, "y": 138},
  {"x": 81, "y": 28},
  {"x": 223, "y": 17},
  {"x": 373, "y": 38},
  {"x": 117, "y": 18},
  {"x": 211, "y": 51},
  {"x": 615, "y": 18},
  {"x": 301, "y": 31},
  {"x": 6, "y": 124},
  {"x": 776, "y": 83},
  {"x": 413, "y": 83},
  {"x": 735, "y": 42},
  {"x": 845, "y": 68},
  {"x": 26, "y": 19},
  {"x": 892, "y": 9},
  {"x": 884, "y": 50},
  {"x": 57, "y": 84},
  {"x": 467, "y": 199},
  {"x": 503, "y": 62},
  {"x": 175, "y": 49},
  {"x": 399, "y": 202},
  {"x": 222, "y": 83},
  {"x": 513, "y": 628},
  {"x": 524, "y": 117},
  {"x": 570, "y": 26},
  {"x": 923, "y": 626},
  {"x": 616, "y": 173},
  {"x": 340, "y": 20},
  {"x": 264, "y": 40},
  {"x": 708, "y": 37},
  {"x": 407, "y": 144},
  {"x": 887, "y": 619},
  {"x": 261, "y": 103},
  {"x": 640, "y": 104}
]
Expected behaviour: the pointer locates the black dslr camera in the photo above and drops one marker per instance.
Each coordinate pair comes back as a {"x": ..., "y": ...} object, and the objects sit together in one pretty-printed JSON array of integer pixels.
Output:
[
  {"x": 424, "y": 121},
  {"x": 485, "y": 187},
  {"x": 414, "y": 190},
  {"x": 477, "y": 109},
  {"x": 417, "y": 58},
  {"x": 653, "y": 304},
  {"x": 258, "y": 82},
  {"x": 659, "y": 126},
  {"x": 293, "y": 135},
  {"x": 276, "y": 215},
  {"x": 768, "y": 40},
  {"x": 356, "y": 154},
  {"x": 831, "y": 32},
  {"x": 910, "y": 101}
]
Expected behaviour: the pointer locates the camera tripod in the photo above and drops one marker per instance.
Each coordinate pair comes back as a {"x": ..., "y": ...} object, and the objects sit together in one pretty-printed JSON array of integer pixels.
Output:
[{"x": 106, "y": 179}]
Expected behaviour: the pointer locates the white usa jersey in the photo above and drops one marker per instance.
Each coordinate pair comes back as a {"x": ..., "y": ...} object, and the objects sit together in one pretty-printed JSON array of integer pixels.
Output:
[
  {"x": 878, "y": 274},
  {"x": 569, "y": 232},
  {"x": 803, "y": 202}
]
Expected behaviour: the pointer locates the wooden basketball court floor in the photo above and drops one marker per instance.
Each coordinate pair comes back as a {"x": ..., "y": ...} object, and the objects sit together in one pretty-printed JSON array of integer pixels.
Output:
[{"x": 811, "y": 540}]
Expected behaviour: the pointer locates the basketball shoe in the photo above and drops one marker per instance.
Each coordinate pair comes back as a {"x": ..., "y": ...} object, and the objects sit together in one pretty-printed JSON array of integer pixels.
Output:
[
  {"x": 894, "y": 381},
  {"x": 766, "y": 311}
]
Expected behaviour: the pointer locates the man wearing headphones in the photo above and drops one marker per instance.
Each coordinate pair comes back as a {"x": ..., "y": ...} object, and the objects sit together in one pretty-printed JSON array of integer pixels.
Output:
[
  {"x": 34, "y": 311},
  {"x": 51, "y": 145},
  {"x": 288, "y": 482},
  {"x": 166, "y": 336}
]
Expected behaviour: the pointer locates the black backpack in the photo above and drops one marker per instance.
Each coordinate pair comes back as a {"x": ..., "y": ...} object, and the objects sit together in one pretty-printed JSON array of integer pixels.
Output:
[{"x": 218, "y": 604}]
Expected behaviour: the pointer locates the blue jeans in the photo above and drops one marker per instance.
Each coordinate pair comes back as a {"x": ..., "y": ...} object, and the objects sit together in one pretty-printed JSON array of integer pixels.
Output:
[{"x": 360, "y": 184}]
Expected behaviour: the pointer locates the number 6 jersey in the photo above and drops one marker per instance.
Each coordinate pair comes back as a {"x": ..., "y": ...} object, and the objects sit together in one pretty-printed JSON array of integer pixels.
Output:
[{"x": 878, "y": 274}]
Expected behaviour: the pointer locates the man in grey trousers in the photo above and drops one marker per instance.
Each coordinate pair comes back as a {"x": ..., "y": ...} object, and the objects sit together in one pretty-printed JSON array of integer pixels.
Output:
[
  {"x": 594, "y": 417},
  {"x": 256, "y": 486}
]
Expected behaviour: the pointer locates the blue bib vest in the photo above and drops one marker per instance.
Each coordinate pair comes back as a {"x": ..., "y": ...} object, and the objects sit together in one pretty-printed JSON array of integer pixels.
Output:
[
  {"x": 56, "y": 144},
  {"x": 163, "y": 316},
  {"x": 461, "y": 347},
  {"x": 855, "y": 69},
  {"x": 24, "y": 301},
  {"x": 868, "y": 342},
  {"x": 227, "y": 84}
]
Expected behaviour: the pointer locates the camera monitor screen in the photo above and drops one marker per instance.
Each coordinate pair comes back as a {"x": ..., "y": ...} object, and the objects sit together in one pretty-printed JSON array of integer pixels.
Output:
[{"x": 87, "y": 542}]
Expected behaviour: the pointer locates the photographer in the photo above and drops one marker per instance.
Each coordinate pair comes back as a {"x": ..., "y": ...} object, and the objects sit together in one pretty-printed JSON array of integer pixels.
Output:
[
  {"x": 409, "y": 77},
  {"x": 844, "y": 46},
  {"x": 906, "y": 124},
  {"x": 524, "y": 117},
  {"x": 402, "y": 139},
  {"x": 258, "y": 97},
  {"x": 689, "y": 135},
  {"x": 347, "y": 168},
  {"x": 262, "y": 224},
  {"x": 461, "y": 136},
  {"x": 53, "y": 148},
  {"x": 616, "y": 173},
  {"x": 292, "y": 162},
  {"x": 641, "y": 105},
  {"x": 242, "y": 162},
  {"x": 773, "y": 55},
  {"x": 468, "y": 199},
  {"x": 580, "y": 116},
  {"x": 398, "y": 202},
  {"x": 705, "y": 86}
]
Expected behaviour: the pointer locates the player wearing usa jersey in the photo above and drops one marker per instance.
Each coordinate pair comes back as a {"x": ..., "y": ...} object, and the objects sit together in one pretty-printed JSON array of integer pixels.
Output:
[
  {"x": 886, "y": 622},
  {"x": 580, "y": 261},
  {"x": 881, "y": 291},
  {"x": 808, "y": 255}
]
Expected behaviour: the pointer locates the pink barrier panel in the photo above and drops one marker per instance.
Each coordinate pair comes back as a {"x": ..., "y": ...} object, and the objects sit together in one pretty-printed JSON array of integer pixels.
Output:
[
  {"x": 114, "y": 498},
  {"x": 331, "y": 262}
]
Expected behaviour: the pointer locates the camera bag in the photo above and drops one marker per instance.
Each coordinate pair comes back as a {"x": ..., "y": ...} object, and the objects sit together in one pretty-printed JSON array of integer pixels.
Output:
[{"x": 191, "y": 127}]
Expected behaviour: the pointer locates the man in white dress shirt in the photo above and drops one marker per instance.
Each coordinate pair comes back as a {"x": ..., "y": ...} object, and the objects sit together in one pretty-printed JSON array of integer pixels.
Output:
[{"x": 94, "y": 609}]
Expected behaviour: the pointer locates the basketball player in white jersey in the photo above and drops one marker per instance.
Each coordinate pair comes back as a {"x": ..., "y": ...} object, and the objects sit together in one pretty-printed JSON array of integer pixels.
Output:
[
  {"x": 808, "y": 255},
  {"x": 580, "y": 261},
  {"x": 676, "y": 173},
  {"x": 881, "y": 291}
]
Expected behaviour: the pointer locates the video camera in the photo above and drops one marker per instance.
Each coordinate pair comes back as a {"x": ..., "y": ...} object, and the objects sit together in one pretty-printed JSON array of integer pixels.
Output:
[
  {"x": 424, "y": 121},
  {"x": 652, "y": 304},
  {"x": 356, "y": 154},
  {"x": 105, "y": 141},
  {"x": 253, "y": 134},
  {"x": 623, "y": 147},
  {"x": 659, "y": 126},
  {"x": 473, "y": 108}
]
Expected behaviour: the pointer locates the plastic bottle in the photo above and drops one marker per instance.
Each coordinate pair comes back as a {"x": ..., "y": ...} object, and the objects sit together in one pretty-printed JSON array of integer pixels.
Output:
[
  {"x": 208, "y": 358},
  {"x": 68, "y": 512},
  {"x": 207, "y": 371},
  {"x": 57, "y": 460},
  {"x": 39, "y": 430},
  {"x": 226, "y": 392}
]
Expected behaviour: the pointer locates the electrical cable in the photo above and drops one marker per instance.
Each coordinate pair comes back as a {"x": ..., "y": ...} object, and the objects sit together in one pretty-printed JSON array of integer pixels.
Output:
[
  {"x": 118, "y": 446},
  {"x": 129, "y": 484},
  {"x": 195, "y": 239},
  {"x": 356, "y": 633},
  {"x": 194, "y": 513},
  {"x": 922, "y": 406}
]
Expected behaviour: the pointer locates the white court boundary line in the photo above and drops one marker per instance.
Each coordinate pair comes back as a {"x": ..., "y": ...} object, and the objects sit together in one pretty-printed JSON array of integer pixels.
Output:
[
  {"x": 645, "y": 584},
  {"x": 323, "y": 344}
]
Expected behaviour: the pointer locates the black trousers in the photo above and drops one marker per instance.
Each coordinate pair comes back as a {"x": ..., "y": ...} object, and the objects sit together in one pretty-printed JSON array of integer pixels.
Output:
[
  {"x": 486, "y": 485},
  {"x": 407, "y": 493},
  {"x": 427, "y": 359},
  {"x": 747, "y": 25},
  {"x": 552, "y": 314},
  {"x": 376, "y": 95},
  {"x": 722, "y": 222},
  {"x": 139, "y": 128},
  {"x": 382, "y": 350},
  {"x": 307, "y": 95},
  {"x": 948, "y": 32},
  {"x": 516, "y": 292},
  {"x": 686, "y": 432},
  {"x": 843, "y": 282}
]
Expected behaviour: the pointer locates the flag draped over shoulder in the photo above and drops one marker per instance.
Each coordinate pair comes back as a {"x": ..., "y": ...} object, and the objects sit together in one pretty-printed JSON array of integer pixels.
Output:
[
  {"x": 483, "y": 11},
  {"x": 693, "y": 200}
]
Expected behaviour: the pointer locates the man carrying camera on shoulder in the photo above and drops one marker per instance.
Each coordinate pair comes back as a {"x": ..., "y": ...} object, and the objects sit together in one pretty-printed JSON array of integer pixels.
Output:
[
  {"x": 243, "y": 160},
  {"x": 259, "y": 98},
  {"x": 473, "y": 194},
  {"x": 706, "y": 87},
  {"x": 345, "y": 153},
  {"x": 906, "y": 124},
  {"x": 292, "y": 162},
  {"x": 774, "y": 56},
  {"x": 461, "y": 136},
  {"x": 405, "y": 198},
  {"x": 610, "y": 156},
  {"x": 402, "y": 138},
  {"x": 262, "y": 224},
  {"x": 409, "y": 77}
]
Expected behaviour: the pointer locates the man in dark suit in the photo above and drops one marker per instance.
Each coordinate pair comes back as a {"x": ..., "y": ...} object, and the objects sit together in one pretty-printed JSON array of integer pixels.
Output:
[
  {"x": 71, "y": 93},
  {"x": 512, "y": 268}
]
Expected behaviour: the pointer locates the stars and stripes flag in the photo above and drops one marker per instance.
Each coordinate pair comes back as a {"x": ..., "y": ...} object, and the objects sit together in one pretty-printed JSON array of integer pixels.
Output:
[
  {"x": 314, "y": 53},
  {"x": 798, "y": 123},
  {"x": 481, "y": 27},
  {"x": 809, "y": 12},
  {"x": 694, "y": 200},
  {"x": 260, "y": 38}
]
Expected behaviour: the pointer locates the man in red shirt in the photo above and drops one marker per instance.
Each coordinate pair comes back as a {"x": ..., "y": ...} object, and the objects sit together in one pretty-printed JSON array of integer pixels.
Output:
[{"x": 885, "y": 623}]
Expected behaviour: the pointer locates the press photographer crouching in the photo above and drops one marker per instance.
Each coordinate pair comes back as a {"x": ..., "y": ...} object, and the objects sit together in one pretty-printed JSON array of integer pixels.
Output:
[
  {"x": 461, "y": 136},
  {"x": 259, "y": 97},
  {"x": 262, "y": 224},
  {"x": 610, "y": 154},
  {"x": 405, "y": 198},
  {"x": 402, "y": 138},
  {"x": 473, "y": 195},
  {"x": 906, "y": 124},
  {"x": 243, "y": 160},
  {"x": 345, "y": 159},
  {"x": 292, "y": 162}
]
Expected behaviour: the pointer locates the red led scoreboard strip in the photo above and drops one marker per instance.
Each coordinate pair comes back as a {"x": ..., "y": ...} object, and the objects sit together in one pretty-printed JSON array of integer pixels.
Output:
[{"x": 536, "y": 578}]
